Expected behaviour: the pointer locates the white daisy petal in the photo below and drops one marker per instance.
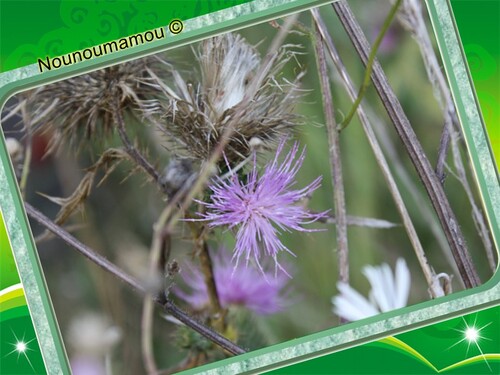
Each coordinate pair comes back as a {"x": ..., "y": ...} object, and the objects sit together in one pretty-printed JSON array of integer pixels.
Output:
[
  {"x": 351, "y": 305},
  {"x": 379, "y": 284},
  {"x": 402, "y": 283},
  {"x": 389, "y": 291}
]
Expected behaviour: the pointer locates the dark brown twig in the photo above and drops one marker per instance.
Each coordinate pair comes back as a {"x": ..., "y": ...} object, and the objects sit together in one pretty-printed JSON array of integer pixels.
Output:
[
  {"x": 414, "y": 149},
  {"x": 429, "y": 274},
  {"x": 335, "y": 161},
  {"x": 82, "y": 248},
  {"x": 130, "y": 148},
  {"x": 477, "y": 214},
  {"x": 160, "y": 299},
  {"x": 411, "y": 17}
]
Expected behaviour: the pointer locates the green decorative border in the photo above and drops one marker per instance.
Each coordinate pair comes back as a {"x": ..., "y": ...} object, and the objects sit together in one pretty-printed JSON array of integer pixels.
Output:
[
  {"x": 30, "y": 270},
  {"x": 313, "y": 345},
  {"x": 13, "y": 314},
  {"x": 58, "y": 27},
  {"x": 462, "y": 345}
]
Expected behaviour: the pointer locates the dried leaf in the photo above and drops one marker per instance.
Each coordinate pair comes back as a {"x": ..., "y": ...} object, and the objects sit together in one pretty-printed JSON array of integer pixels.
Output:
[{"x": 108, "y": 162}]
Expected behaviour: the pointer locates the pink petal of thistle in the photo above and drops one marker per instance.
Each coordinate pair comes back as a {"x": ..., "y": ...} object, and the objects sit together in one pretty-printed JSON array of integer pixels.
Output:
[
  {"x": 263, "y": 206},
  {"x": 236, "y": 286}
]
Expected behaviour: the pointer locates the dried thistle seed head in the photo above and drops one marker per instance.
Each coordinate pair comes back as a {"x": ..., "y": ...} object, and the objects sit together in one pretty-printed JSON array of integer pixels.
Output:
[
  {"x": 177, "y": 173},
  {"x": 227, "y": 65},
  {"x": 196, "y": 115},
  {"x": 81, "y": 108}
]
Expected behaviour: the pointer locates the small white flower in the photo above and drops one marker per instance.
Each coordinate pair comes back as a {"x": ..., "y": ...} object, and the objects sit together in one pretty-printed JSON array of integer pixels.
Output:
[
  {"x": 388, "y": 292},
  {"x": 93, "y": 335},
  {"x": 14, "y": 148}
]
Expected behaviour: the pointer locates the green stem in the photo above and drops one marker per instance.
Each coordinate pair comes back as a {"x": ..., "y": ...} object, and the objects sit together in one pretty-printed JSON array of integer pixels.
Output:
[
  {"x": 369, "y": 65},
  {"x": 217, "y": 319}
]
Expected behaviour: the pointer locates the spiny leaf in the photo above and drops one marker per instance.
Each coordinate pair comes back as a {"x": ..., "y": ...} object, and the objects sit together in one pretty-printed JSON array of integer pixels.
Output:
[{"x": 108, "y": 162}]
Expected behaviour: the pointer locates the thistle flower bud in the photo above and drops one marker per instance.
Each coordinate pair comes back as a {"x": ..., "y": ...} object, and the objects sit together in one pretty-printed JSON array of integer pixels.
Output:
[
  {"x": 197, "y": 114},
  {"x": 177, "y": 173}
]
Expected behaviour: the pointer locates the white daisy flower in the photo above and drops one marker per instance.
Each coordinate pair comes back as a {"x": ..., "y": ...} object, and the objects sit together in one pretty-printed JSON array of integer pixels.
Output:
[{"x": 388, "y": 292}]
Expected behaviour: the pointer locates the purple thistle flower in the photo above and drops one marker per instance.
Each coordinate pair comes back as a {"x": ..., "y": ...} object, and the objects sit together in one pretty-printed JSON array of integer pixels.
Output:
[
  {"x": 245, "y": 287},
  {"x": 262, "y": 207}
]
